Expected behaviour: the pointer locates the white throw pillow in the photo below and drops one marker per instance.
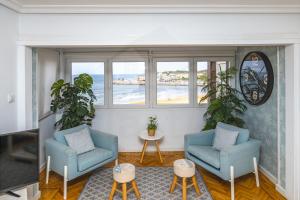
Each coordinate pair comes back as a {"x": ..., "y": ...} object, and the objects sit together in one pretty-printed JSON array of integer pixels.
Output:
[
  {"x": 80, "y": 141},
  {"x": 224, "y": 138}
]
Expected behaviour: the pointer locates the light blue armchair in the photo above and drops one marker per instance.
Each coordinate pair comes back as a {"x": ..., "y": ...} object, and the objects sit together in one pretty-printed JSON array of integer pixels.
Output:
[
  {"x": 64, "y": 160},
  {"x": 230, "y": 163}
]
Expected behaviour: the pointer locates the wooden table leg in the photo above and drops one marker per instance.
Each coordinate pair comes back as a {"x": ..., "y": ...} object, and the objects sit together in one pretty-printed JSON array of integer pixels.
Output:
[
  {"x": 124, "y": 191},
  {"x": 184, "y": 188},
  {"x": 136, "y": 190},
  {"x": 173, "y": 184},
  {"x": 195, "y": 183},
  {"x": 113, "y": 190},
  {"x": 143, "y": 151},
  {"x": 158, "y": 151}
]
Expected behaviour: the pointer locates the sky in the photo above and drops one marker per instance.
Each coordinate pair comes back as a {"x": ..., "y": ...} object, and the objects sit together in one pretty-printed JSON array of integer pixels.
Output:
[
  {"x": 172, "y": 66},
  {"x": 89, "y": 68}
]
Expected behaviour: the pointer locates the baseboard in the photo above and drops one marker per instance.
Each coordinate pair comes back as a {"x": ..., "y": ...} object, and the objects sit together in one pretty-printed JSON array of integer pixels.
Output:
[
  {"x": 281, "y": 190},
  {"x": 273, "y": 179},
  {"x": 270, "y": 176}
]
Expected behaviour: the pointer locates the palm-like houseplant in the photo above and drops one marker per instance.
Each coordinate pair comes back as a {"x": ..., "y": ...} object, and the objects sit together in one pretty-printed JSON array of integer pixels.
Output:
[
  {"x": 74, "y": 100},
  {"x": 224, "y": 103}
]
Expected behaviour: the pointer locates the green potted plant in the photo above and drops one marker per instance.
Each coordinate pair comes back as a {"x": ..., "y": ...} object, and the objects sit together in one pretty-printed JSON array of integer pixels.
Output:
[
  {"x": 224, "y": 103},
  {"x": 74, "y": 100},
  {"x": 152, "y": 126}
]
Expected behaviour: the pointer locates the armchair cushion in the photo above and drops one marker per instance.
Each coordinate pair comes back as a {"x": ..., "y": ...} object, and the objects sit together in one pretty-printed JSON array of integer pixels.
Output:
[
  {"x": 224, "y": 138},
  {"x": 92, "y": 158},
  {"x": 243, "y": 133},
  {"x": 80, "y": 141},
  {"x": 206, "y": 153},
  {"x": 60, "y": 135}
]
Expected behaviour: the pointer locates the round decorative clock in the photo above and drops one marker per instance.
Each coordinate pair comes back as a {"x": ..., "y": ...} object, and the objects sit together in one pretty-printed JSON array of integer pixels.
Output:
[{"x": 256, "y": 78}]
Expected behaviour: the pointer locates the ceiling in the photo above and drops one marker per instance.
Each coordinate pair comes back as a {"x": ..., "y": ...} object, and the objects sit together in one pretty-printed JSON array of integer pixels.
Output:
[
  {"x": 158, "y": 2},
  {"x": 153, "y": 6}
]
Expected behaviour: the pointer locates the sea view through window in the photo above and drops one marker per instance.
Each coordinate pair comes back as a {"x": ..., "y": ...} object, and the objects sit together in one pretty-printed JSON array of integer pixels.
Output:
[
  {"x": 167, "y": 81},
  {"x": 96, "y": 70},
  {"x": 129, "y": 83}
]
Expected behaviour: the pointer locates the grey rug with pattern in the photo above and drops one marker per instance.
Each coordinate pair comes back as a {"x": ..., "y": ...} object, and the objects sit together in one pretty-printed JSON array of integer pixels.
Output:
[{"x": 153, "y": 183}]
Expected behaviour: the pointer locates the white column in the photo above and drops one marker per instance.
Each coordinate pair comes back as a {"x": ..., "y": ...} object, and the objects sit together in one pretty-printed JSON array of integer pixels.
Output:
[
  {"x": 24, "y": 87},
  {"x": 292, "y": 64}
]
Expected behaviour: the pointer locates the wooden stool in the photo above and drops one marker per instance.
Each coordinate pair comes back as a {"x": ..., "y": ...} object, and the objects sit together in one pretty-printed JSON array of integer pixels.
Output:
[
  {"x": 185, "y": 169},
  {"x": 124, "y": 173}
]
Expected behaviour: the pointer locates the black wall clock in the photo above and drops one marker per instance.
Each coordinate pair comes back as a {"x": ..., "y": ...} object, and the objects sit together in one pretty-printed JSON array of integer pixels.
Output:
[{"x": 256, "y": 78}]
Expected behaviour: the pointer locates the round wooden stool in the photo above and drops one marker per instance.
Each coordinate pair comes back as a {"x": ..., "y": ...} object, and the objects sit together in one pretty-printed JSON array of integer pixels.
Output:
[
  {"x": 184, "y": 169},
  {"x": 124, "y": 173}
]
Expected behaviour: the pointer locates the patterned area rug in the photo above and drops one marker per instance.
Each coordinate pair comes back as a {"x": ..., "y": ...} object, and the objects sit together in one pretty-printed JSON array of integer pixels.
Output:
[{"x": 153, "y": 183}]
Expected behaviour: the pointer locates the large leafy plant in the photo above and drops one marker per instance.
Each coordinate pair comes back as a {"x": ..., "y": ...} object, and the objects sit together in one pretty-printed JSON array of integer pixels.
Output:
[
  {"x": 224, "y": 103},
  {"x": 74, "y": 100}
]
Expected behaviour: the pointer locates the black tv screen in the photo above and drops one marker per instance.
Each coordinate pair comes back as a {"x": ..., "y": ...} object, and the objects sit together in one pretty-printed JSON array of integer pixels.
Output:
[{"x": 19, "y": 159}]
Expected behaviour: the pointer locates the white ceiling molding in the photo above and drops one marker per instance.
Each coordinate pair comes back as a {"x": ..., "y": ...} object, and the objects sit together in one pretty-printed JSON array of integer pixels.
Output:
[
  {"x": 12, "y": 4},
  {"x": 150, "y": 9}
]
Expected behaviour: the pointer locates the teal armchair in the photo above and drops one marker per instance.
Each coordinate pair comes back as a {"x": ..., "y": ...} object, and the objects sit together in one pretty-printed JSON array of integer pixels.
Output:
[
  {"x": 229, "y": 163},
  {"x": 63, "y": 160}
]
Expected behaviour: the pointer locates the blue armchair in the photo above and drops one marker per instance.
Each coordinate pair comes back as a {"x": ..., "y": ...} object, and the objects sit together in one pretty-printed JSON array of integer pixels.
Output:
[
  {"x": 68, "y": 164},
  {"x": 230, "y": 163}
]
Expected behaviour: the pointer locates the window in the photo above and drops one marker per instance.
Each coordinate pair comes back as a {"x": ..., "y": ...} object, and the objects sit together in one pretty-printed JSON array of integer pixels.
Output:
[
  {"x": 96, "y": 70},
  {"x": 202, "y": 79},
  {"x": 129, "y": 83},
  {"x": 172, "y": 83}
]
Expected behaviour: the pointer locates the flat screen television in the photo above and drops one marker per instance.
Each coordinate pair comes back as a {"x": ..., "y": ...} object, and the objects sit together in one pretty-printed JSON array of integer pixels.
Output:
[{"x": 19, "y": 159}]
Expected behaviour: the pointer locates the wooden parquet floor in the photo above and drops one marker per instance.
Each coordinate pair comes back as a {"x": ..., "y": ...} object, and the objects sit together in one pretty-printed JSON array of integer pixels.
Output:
[{"x": 245, "y": 187}]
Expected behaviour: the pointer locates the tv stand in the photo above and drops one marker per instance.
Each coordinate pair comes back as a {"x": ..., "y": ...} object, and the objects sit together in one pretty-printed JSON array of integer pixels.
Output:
[{"x": 11, "y": 193}]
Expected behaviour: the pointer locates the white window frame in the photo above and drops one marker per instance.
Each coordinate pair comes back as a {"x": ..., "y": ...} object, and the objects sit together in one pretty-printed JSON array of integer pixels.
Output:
[
  {"x": 147, "y": 82},
  {"x": 154, "y": 82},
  {"x": 230, "y": 60},
  {"x": 150, "y": 75},
  {"x": 68, "y": 73}
]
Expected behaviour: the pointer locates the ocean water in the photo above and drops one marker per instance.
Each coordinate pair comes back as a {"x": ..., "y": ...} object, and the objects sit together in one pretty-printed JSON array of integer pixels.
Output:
[{"x": 126, "y": 94}]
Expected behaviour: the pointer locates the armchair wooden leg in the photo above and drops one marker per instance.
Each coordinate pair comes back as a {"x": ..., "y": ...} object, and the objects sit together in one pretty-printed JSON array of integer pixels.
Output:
[
  {"x": 232, "y": 182},
  {"x": 116, "y": 162},
  {"x": 256, "y": 171},
  {"x": 65, "y": 181},
  {"x": 48, "y": 169}
]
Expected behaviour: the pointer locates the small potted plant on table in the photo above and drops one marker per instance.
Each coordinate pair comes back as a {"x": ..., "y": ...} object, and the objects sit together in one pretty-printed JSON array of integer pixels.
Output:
[{"x": 152, "y": 126}]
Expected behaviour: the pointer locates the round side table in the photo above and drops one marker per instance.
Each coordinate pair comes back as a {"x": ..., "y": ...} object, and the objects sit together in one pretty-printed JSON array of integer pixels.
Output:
[{"x": 156, "y": 138}]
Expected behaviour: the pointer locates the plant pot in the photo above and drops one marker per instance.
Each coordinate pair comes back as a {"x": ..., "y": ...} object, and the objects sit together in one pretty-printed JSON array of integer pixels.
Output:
[{"x": 151, "y": 132}]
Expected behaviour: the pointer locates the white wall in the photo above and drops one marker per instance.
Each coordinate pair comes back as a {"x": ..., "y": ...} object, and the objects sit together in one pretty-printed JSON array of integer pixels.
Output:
[
  {"x": 47, "y": 67},
  {"x": 8, "y": 62},
  {"x": 46, "y": 126},
  {"x": 147, "y": 29},
  {"x": 128, "y": 124}
]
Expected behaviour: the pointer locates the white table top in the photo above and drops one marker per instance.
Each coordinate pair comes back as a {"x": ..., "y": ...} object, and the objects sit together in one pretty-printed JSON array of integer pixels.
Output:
[{"x": 158, "y": 136}]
